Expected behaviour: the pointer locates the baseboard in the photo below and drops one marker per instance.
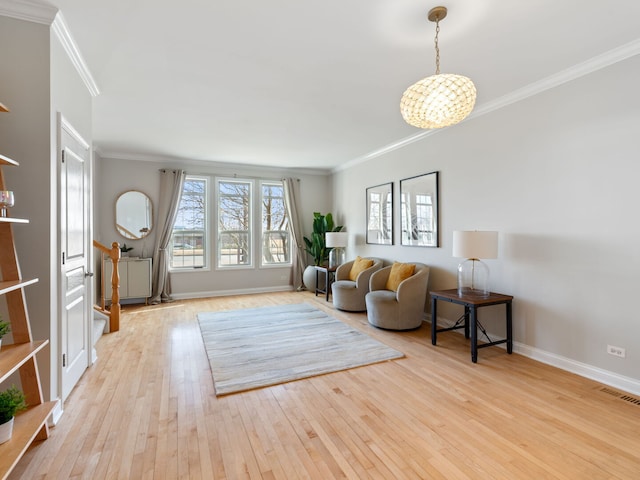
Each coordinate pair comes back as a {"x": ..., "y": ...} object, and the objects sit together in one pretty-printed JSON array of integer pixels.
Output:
[
  {"x": 55, "y": 416},
  {"x": 628, "y": 384},
  {"x": 225, "y": 293}
]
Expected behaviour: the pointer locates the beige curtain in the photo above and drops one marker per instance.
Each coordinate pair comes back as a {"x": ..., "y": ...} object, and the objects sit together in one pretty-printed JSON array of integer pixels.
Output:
[
  {"x": 171, "y": 183},
  {"x": 297, "y": 249}
]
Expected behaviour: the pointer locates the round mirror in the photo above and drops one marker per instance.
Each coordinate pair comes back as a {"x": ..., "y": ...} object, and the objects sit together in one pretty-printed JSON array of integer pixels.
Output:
[{"x": 134, "y": 215}]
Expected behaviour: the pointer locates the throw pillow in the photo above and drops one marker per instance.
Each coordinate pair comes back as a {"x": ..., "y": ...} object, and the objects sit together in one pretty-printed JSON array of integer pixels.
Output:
[
  {"x": 399, "y": 272},
  {"x": 359, "y": 265}
]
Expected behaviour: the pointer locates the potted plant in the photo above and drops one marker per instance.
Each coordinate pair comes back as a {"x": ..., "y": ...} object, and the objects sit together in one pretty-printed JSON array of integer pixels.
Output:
[
  {"x": 12, "y": 400},
  {"x": 124, "y": 250},
  {"x": 316, "y": 246},
  {"x": 5, "y": 327}
]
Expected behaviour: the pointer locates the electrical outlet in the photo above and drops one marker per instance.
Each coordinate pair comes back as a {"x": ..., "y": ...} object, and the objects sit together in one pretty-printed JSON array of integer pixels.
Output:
[{"x": 616, "y": 351}]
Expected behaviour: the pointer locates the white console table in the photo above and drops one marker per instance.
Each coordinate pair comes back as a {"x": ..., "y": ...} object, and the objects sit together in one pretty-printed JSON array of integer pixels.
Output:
[{"x": 135, "y": 278}]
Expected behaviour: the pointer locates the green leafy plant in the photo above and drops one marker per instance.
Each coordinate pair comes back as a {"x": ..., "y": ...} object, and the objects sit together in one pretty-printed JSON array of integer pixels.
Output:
[
  {"x": 125, "y": 249},
  {"x": 12, "y": 400},
  {"x": 5, "y": 327},
  {"x": 316, "y": 246}
]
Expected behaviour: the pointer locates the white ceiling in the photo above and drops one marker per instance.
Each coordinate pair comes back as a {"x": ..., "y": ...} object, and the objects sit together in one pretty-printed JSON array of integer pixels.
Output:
[{"x": 294, "y": 83}]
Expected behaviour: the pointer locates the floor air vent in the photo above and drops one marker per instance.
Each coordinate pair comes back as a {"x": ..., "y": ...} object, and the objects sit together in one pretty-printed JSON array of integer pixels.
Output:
[
  {"x": 621, "y": 396},
  {"x": 633, "y": 400}
]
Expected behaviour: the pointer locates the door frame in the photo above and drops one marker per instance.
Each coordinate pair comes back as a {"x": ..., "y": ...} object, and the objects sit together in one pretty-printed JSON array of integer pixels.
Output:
[{"x": 63, "y": 125}]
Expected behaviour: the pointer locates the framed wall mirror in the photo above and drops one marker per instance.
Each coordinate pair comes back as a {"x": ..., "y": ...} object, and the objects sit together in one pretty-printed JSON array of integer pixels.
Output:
[
  {"x": 134, "y": 215},
  {"x": 380, "y": 214},
  {"x": 419, "y": 210}
]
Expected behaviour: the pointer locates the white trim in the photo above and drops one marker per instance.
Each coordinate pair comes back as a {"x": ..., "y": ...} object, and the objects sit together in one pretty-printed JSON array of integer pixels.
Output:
[
  {"x": 628, "y": 384},
  {"x": 56, "y": 414},
  {"x": 28, "y": 10},
  {"x": 225, "y": 293},
  {"x": 36, "y": 12},
  {"x": 72, "y": 131},
  {"x": 70, "y": 46},
  {"x": 589, "y": 66}
]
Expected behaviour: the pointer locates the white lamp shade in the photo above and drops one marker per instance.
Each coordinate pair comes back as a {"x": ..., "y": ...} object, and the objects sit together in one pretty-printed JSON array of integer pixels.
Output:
[
  {"x": 475, "y": 244},
  {"x": 336, "y": 239}
]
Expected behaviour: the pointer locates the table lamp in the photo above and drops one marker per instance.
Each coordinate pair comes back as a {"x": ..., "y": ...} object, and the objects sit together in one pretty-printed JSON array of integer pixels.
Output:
[
  {"x": 336, "y": 241},
  {"x": 473, "y": 274}
]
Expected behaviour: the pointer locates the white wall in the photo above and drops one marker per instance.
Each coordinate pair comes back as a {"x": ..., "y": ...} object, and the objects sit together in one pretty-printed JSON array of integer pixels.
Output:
[
  {"x": 116, "y": 176},
  {"x": 37, "y": 81},
  {"x": 556, "y": 175},
  {"x": 25, "y": 137}
]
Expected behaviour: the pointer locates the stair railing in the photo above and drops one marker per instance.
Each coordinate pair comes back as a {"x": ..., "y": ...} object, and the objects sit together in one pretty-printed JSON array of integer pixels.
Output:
[{"x": 114, "y": 312}]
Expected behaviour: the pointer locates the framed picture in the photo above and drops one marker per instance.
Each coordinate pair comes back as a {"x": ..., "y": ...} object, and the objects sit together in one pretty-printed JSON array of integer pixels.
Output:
[
  {"x": 419, "y": 210},
  {"x": 380, "y": 214}
]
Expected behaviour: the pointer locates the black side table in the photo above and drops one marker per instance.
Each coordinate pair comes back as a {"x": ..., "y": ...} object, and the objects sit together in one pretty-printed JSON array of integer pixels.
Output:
[
  {"x": 329, "y": 277},
  {"x": 471, "y": 324}
]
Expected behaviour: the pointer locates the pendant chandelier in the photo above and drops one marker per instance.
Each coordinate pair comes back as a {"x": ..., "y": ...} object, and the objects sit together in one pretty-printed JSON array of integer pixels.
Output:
[{"x": 442, "y": 99}]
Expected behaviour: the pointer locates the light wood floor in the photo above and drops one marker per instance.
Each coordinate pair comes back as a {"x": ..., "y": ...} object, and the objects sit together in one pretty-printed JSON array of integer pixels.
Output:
[{"x": 148, "y": 409}]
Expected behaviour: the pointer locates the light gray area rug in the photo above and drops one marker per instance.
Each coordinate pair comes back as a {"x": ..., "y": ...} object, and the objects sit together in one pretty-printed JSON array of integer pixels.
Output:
[{"x": 258, "y": 347}]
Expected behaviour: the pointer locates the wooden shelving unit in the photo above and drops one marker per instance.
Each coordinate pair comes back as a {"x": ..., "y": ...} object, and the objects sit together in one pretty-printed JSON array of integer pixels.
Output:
[
  {"x": 11, "y": 285},
  {"x": 7, "y": 161},
  {"x": 30, "y": 424},
  {"x": 13, "y": 220}
]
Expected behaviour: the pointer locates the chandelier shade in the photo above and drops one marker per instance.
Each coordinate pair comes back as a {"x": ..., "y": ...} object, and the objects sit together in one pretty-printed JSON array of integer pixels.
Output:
[{"x": 440, "y": 100}]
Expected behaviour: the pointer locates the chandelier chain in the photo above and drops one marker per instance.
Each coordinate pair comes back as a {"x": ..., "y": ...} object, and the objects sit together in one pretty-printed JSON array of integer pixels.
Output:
[{"x": 437, "y": 47}]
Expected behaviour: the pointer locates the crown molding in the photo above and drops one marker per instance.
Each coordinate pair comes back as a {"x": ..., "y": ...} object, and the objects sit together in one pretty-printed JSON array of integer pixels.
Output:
[
  {"x": 237, "y": 167},
  {"x": 28, "y": 10},
  {"x": 572, "y": 73},
  {"x": 38, "y": 12},
  {"x": 63, "y": 33},
  {"x": 594, "y": 64}
]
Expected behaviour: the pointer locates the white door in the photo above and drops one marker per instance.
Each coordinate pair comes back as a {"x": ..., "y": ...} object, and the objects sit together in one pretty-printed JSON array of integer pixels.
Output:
[{"x": 75, "y": 315}]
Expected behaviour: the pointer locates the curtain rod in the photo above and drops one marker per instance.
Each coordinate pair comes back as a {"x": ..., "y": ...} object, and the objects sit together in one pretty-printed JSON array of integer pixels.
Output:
[
  {"x": 232, "y": 175},
  {"x": 235, "y": 175}
]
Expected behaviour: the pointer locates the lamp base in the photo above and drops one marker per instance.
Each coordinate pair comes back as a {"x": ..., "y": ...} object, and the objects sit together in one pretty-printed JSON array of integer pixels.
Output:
[
  {"x": 473, "y": 278},
  {"x": 471, "y": 292},
  {"x": 336, "y": 257}
]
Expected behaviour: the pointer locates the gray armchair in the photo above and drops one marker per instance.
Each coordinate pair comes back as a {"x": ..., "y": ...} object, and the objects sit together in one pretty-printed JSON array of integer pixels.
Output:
[
  {"x": 402, "y": 309},
  {"x": 349, "y": 295}
]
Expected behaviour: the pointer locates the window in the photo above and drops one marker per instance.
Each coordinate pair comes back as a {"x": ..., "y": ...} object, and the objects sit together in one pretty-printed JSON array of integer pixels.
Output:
[
  {"x": 238, "y": 232},
  {"x": 188, "y": 248},
  {"x": 234, "y": 222},
  {"x": 275, "y": 227}
]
